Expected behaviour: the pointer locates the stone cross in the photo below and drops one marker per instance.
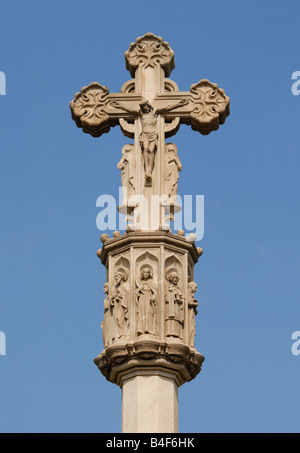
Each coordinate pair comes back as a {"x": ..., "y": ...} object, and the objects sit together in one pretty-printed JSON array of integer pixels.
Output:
[
  {"x": 149, "y": 109},
  {"x": 149, "y": 307}
]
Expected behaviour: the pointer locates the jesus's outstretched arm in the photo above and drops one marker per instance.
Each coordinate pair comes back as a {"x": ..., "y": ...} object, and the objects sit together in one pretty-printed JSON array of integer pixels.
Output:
[
  {"x": 169, "y": 107},
  {"x": 118, "y": 105}
]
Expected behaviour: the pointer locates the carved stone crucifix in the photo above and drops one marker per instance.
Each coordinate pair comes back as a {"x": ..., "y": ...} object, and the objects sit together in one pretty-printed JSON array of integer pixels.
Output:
[
  {"x": 149, "y": 109},
  {"x": 148, "y": 137}
]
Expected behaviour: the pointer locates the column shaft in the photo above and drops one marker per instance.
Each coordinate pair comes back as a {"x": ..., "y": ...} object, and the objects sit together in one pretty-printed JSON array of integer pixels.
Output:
[{"x": 150, "y": 402}]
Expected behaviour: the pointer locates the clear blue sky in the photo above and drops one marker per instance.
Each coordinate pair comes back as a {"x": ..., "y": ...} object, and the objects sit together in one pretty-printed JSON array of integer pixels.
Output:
[{"x": 51, "y": 298}]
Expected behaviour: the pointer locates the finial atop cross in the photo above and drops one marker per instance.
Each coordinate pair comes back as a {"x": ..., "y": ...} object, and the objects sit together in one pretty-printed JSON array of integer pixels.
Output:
[{"x": 149, "y": 109}]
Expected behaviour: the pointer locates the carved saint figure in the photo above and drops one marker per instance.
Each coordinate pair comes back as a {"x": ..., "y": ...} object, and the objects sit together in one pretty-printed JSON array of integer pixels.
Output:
[
  {"x": 127, "y": 165},
  {"x": 146, "y": 303},
  {"x": 149, "y": 134},
  {"x": 174, "y": 315},
  {"x": 119, "y": 301},
  {"x": 172, "y": 168},
  {"x": 192, "y": 305},
  {"x": 107, "y": 323}
]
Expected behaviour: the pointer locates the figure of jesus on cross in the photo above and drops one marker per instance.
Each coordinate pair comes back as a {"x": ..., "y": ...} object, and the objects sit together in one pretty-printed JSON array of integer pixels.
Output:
[
  {"x": 149, "y": 109},
  {"x": 148, "y": 137}
]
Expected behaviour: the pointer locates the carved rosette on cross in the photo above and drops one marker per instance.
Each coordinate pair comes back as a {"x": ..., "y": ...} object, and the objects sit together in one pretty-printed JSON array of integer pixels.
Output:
[{"x": 149, "y": 305}]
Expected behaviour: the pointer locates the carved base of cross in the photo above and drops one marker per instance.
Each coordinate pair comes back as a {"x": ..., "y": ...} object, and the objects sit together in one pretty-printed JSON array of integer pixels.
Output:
[{"x": 149, "y": 324}]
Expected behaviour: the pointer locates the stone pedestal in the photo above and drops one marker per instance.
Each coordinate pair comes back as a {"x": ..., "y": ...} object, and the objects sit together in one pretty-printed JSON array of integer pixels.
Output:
[{"x": 149, "y": 325}]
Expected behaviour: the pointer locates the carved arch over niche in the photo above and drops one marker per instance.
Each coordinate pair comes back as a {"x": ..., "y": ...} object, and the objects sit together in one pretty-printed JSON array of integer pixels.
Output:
[
  {"x": 173, "y": 263},
  {"x": 122, "y": 264},
  {"x": 147, "y": 259}
]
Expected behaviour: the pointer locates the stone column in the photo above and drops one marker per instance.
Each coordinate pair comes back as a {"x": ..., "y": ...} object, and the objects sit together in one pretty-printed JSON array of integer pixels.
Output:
[{"x": 150, "y": 402}]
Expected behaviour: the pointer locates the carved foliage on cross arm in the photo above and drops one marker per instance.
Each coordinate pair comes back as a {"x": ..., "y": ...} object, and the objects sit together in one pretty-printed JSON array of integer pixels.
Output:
[
  {"x": 128, "y": 126},
  {"x": 89, "y": 111},
  {"x": 171, "y": 124},
  {"x": 210, "y": 107},
  {"x": 148, "y": 51}
]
